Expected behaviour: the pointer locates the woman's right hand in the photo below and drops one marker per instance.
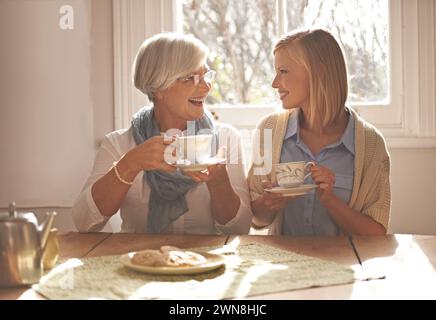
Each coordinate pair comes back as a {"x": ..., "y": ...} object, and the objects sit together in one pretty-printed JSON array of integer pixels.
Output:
[
  {"x": 273, "y": 201},
  {"x": 266, "y": 206},
  {"x": 150, "y": 155}
]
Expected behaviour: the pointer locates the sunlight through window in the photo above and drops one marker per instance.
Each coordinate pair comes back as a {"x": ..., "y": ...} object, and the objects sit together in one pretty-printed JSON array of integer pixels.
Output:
[{"x": 242, "y": 33}]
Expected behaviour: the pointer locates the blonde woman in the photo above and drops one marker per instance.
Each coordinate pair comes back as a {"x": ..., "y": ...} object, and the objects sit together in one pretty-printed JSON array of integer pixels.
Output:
[
  {"x": 130, "y": 171},
  {"x": 352, "y": 162}
]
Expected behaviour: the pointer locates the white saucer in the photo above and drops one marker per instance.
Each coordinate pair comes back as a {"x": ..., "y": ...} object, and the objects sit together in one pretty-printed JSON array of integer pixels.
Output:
[
  {"x": 199, "y": 166},
  {"x": 295, "y": 191}
]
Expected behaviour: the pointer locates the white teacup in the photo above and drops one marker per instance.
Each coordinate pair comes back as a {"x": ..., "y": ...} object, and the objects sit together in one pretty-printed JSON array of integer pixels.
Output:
[
  {"x": 292, "y": 174},
  {"x": 195, "y": 149}
]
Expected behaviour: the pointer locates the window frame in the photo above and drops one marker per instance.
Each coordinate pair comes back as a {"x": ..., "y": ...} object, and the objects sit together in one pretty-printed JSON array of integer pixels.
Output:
[{"x": 412, "y": 70}]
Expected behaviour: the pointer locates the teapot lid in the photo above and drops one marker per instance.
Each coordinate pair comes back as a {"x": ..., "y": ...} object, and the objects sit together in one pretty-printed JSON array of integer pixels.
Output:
[{"x": 14, "y": 215}]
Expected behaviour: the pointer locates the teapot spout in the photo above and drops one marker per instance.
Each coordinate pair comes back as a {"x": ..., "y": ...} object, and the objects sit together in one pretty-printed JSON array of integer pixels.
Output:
[{"x": 45, "y": 228}]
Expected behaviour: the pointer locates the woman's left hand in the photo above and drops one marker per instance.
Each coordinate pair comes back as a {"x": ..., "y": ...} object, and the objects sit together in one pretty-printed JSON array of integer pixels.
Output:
[
  {"x": 213, "y": 175},
  {"x": 325, "y": 179}
]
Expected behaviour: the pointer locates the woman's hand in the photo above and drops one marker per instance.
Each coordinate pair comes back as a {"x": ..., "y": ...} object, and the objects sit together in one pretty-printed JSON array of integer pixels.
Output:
[
  {"x": 150, "y": 155},
  {"x": 225, "y": 202},
  {"x": 273, "y": 201},
  {"x": 325, "y": 179},
  {"x": 266, "y": 206},
  {"x": 214, "y": 174}
]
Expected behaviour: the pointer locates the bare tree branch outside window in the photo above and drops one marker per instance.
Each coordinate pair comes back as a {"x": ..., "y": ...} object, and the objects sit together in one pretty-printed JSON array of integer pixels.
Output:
[{"x": 241, "y": 35}]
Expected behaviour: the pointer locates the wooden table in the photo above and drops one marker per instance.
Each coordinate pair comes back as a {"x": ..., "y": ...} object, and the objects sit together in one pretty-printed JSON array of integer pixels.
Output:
[
  {"x": 407, "y": 263},
  {"x": 80, "y": 245}
]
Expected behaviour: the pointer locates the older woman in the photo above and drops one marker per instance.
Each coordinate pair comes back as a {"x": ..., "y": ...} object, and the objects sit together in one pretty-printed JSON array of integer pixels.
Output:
[
  {"x": 352, "y": 162},
  {"x": 131, "y": 173}
]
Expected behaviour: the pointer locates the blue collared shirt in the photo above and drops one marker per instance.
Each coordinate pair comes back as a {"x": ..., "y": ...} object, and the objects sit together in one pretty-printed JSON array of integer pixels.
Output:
[{"x": 305, "y": 215}]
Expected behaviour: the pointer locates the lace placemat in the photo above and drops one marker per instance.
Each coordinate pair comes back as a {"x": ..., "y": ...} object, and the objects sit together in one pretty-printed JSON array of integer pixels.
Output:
[{"x": 250, "y": 269}]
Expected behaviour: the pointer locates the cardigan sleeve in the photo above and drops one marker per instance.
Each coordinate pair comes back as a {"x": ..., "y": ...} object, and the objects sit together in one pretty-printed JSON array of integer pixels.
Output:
[
  {"x": 262, "y": 155},
  {"x": 258, "y": 171},
  {"x": 255, "y": 181},
  {"x": 379, "y": 200},
  {"x": 371, "y": 191}
]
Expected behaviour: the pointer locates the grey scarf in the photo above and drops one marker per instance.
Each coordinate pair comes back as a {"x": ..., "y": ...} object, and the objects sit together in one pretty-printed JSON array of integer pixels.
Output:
[{"x": 167, "y": 190}]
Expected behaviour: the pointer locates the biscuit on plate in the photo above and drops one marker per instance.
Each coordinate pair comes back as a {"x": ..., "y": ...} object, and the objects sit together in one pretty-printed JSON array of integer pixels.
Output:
[
  {"x": 152, "y": 258},
  {"x": 188, "y": 258},
  {"x": 168, "y": 256}
]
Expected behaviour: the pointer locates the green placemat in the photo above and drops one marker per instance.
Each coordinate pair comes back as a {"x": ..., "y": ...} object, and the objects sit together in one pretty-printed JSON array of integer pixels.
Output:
[{"x": 250, "y": 269}]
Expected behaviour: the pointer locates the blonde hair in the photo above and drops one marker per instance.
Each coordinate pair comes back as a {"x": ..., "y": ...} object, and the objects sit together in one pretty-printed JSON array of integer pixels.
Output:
[
  {"x": 164, "y": 58},
  {"x": 319, "y": 52}
]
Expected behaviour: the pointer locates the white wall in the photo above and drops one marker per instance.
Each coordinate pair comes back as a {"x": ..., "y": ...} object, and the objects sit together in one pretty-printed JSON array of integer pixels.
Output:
[
  {"x": 56, "y": 103},
  {"x": 102, "y": 68},
  {"x": 46, "y": 105},
  {"x": 52, "y": 82},
  {"x": 47, "y": 114},
  {"x": 413, "y": 181}
]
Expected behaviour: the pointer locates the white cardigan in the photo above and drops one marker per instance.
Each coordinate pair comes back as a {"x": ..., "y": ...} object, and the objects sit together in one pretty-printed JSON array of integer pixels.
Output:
[{"x": 134, "y": 209}]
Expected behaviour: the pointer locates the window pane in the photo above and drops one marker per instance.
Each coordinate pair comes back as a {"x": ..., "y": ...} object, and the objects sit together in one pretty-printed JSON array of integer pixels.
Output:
[
  {"x": 362, "y": 29},
  {"x": 240, "y": 35}
]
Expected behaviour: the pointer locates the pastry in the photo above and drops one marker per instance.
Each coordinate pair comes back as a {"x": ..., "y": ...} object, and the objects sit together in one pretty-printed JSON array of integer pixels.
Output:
[{"x": 167, "y": 256}]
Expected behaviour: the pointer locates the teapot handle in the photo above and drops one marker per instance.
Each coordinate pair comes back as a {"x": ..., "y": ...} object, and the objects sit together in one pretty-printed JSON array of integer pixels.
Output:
[{"x": 45, "y": 228}]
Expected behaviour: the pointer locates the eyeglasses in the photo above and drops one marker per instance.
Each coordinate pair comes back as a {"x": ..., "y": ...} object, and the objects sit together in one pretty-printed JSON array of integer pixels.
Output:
[{"x": 194, "y": 79}]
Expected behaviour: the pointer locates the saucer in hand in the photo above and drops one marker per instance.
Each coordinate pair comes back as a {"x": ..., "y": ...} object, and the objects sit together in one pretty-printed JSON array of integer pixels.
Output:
[
  {"x": 293, "y": 191},
  {"x": 186, "y": 165}
]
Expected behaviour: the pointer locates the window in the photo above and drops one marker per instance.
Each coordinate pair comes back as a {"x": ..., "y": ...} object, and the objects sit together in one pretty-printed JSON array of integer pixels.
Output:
[
  {"x": 242, "y": 33},
  {"x": 389, "y": 47}
]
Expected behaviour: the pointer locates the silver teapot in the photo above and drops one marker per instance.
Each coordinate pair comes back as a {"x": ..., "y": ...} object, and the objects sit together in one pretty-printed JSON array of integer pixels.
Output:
[{"x": 22, "y": 246}]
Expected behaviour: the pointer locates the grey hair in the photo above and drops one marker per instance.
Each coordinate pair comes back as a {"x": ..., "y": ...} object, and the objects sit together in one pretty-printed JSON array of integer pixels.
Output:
[{"x": 164, "y": 58}]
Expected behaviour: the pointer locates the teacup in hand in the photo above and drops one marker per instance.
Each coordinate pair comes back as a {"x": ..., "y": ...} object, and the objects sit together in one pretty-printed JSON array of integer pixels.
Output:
[
  {"x": 195, "y": 149},
  {"x": 292, "y": 174}
]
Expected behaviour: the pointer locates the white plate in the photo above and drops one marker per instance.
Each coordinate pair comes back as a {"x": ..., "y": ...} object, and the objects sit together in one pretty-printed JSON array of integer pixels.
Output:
[
  {"x": 199, "y": 166},
  {"x": 295, "y": 191},
  {"x": 214, "y": 261}
]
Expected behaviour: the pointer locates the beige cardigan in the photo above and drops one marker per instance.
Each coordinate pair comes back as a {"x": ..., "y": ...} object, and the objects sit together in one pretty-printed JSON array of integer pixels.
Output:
[{"x": 371, "y": 193}]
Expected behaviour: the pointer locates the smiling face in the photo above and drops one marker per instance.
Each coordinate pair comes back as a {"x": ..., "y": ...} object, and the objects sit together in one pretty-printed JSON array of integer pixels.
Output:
[
  {"x": 291, "y": 80},
  {"x": 183, "y": 100}
]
